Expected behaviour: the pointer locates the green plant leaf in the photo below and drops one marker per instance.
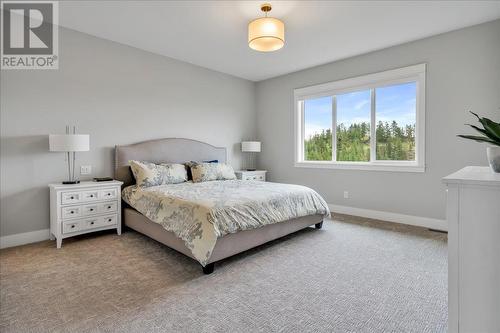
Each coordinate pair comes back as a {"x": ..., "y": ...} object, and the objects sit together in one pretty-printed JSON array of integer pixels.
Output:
[
  {"x": 478, "y": 118},
  {"x": 479, "y": 139},
  {"x": 485, "y": 132},
  {"x": 491, "y": 127}
]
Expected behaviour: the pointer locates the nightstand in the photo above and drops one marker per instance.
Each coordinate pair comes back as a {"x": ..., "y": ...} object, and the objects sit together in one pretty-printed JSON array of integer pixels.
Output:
[
  {"x": 85, "y": 207},
  {"x": 251, "y": 175}
]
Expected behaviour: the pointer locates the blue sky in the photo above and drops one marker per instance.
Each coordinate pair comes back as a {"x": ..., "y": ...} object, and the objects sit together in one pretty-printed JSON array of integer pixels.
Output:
[{"x": 395, "y": 102}]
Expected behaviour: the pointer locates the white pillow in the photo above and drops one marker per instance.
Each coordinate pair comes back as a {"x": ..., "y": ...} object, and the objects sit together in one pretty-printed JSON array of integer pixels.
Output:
[{"x": 150, "y": 174}]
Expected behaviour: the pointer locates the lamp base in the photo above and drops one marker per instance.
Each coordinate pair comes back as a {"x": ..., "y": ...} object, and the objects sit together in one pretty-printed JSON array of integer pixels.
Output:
[{"x": 71, "y": 182}]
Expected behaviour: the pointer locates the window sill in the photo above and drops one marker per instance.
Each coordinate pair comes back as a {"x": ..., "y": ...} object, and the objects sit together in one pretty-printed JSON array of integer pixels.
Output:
[{"x": 395, "y": 167}]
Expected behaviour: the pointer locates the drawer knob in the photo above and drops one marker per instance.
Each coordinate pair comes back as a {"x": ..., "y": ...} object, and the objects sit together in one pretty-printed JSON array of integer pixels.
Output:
[
  {"x": 92, "y": 223},
  {"x": 109, "y": 220},
  {"x": 108, "y": 194},
  {"x": 91, "y": 195},
  {"x": 72, "y": 226},
  {"x": 109, "y": 207},
  {"x": 72, "y": 198},
  {"x": 91, "y": 209},
  {"x": 72, "y": 212}
]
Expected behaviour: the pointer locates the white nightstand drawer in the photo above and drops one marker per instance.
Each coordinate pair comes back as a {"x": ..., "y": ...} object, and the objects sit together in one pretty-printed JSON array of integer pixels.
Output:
[
  {"x": 108, "y": 207},
  {"x": 91, "y": 223},
  {"x": 254, "y": 177},
  {"x": 70, "y": 197},
  {"x": 76, "y": 197},
  {"x": 90, "y": 195},
  {"x": 107, "y": 194},
  {"x": 108, "y": 220},
  {"x": 71, "y": 226},
  {"x": 71, "y": 212},
  {"x": 90, "y": 209}
]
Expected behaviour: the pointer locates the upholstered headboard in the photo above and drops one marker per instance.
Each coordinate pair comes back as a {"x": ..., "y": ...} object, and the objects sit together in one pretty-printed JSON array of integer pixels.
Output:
[{"x": 172, "y": 150}]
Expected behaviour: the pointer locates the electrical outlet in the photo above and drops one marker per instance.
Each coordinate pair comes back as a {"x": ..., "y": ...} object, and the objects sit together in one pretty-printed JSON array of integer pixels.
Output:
[
  {"x": 85, "y": 169},
  {"x": 346, "y": 194}
]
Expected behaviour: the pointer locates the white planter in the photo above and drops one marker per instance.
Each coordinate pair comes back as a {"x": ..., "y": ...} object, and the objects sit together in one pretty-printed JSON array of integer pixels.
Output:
[{"x": 493, "y": 153}]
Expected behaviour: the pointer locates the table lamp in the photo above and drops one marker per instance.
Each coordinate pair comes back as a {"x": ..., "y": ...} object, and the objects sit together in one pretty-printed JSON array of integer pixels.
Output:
[
  {"x": 69, "y": 143},
  {"x": 251, "y": 147}
]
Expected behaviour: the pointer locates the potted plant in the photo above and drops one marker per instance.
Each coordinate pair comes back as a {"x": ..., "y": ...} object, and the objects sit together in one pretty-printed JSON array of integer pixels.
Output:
[{"x": 490, "y": 134}]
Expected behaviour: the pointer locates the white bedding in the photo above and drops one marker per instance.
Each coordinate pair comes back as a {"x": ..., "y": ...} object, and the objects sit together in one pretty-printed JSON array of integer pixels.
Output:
[{"x": 199, "y": 213}]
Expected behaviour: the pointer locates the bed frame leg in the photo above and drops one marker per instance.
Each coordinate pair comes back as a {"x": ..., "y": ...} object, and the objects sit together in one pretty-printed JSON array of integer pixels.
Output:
[
  {"x": 208, "y": 269},
  {"x": 319, "y": 225}
]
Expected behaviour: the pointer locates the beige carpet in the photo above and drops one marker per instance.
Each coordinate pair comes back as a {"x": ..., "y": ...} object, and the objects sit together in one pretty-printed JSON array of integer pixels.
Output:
[{"x": 352, "y": 276}]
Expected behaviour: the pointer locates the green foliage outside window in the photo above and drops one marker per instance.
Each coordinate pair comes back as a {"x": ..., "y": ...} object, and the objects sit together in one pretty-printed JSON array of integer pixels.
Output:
[
  {"x": 319, "y": 147},
  {"x": 353, "y": 143},
  {"x": 394, "y": 142}
]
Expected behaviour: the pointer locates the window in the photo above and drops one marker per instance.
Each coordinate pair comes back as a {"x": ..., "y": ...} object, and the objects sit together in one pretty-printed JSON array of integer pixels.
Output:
[
  {"x": 318, "y": 129},
  {"x": 372, "y": 122},
  {"x": 353, "y": 126}
]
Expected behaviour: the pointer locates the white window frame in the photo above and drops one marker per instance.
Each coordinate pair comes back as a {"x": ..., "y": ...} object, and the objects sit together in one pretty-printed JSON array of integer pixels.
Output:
[{"x": 415, "y": 73}]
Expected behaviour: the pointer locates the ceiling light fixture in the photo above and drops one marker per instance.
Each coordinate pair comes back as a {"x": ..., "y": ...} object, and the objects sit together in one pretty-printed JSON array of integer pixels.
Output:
[{"x": 266, "y": 34}]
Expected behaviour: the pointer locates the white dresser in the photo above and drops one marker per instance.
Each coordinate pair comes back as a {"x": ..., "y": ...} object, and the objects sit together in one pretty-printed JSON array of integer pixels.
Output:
[
  {"x": 85, "y": 207},
  {"x": 251, "y": 175},
  {"x": 473, "y": 214}
]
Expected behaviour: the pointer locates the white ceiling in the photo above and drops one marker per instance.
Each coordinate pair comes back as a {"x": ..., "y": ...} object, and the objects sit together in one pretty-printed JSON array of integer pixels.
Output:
[{"x": 213, "y": 34}]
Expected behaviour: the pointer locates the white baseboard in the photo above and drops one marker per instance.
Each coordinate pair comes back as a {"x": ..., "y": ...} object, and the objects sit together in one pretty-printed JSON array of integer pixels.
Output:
[
  {"x": 41, "y": 235},
  {"x": 419, "y": 221},
  {"x": 24, "y": 238}
]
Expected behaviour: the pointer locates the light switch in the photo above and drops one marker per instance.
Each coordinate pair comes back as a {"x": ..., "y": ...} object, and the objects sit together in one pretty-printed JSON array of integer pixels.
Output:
[{"x": 85, "y": 169}]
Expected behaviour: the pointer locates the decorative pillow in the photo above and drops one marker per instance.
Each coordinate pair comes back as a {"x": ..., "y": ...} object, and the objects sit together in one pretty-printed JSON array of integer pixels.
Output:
[
  {"x": 203, "y": 172},
  {"x": 191, "y": 163},
  {"x": 150, "y": 174}
]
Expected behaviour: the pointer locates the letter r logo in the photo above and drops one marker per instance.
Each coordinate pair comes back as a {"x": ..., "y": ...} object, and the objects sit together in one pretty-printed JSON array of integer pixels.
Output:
[{"x": 27, "y": 28}]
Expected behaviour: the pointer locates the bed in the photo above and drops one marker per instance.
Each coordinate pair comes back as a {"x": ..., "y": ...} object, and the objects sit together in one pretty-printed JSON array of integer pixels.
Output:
[{"x": 225, "y": 217}]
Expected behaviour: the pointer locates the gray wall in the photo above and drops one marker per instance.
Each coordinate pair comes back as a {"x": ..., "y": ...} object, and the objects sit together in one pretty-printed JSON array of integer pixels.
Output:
[
  {"x": 118, "y": 95},
  {"x": 121, "y": 95},
  {"x": 463, "y": 73}
]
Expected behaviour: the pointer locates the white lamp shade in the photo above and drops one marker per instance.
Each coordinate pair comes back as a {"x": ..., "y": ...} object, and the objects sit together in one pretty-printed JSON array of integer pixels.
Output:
[
  {"x": 266, "y": 34},
  {"x": 250, "y": 146},
  {"x": 69, "y": 142}
]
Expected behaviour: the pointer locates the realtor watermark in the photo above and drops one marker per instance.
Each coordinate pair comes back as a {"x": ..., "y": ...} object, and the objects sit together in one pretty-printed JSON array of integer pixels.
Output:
[{"x": 29, "y": 38}]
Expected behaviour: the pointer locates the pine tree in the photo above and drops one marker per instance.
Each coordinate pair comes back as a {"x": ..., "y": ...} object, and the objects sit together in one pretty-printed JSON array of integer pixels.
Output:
[{"x": 394, "y": 142}]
